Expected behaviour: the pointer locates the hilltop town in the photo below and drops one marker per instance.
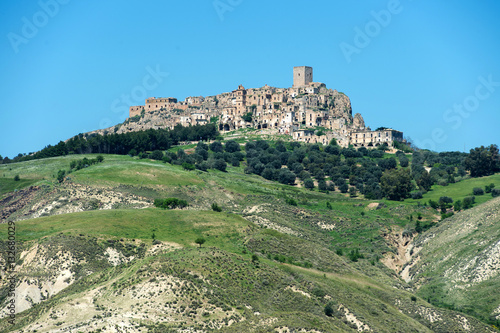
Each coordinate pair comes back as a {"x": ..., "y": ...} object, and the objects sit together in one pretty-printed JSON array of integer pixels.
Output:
[{"x": 308, "y": 112}]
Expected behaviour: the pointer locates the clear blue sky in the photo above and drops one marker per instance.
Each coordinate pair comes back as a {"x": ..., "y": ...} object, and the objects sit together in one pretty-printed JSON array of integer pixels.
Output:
[{"x": 428, "y": 68}]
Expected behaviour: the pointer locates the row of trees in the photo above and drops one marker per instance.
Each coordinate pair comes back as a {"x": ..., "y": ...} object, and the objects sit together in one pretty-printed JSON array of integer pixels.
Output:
[{"x": 149, "y": 140}]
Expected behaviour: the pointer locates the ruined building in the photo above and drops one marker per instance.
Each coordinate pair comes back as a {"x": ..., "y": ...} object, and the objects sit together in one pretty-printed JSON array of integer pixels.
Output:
[{"x": 308, "y": 112}]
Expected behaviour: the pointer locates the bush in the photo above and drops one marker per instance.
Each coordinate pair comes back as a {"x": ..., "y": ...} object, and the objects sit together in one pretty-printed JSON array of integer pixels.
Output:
[
  {"x": 344, "y": 188},
  {"x": 220, "y": 164},
  {"x": 285, "y": 176},
  {"x": 329, "y": 310},
  {"x": 433, "y": 204},
  {"x": 468, "y": 202},
  {"x": 156, "y": 155},
  {"x": 232, "y": 146},
  {"x": 203, "y": 166},
  {"x": 416, "y": 195},
  {"x": 488, "y": 188},
  {"x": 477, "y": 191},
  {"x": 17, "y": 178},
  {"x": 216, "y": 147},
  {"x": 495, "y": 192},
  {"x": 352, "y": 192},
  {"x": 216, "y": 208},
  {"x": 170, "y": 203},
  {"x": 309, "y": 183},
  {"x": 60, "y": 175},
  {"x": 404, "y": 162},
  {"x": 354, "y": 255},
  {"x": 291, "y": 201},
  {"x": 188, "y": 166}
]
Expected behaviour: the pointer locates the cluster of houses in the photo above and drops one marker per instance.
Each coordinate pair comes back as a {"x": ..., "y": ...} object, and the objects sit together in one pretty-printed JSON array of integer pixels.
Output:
[{"x": 307, "y": 111}]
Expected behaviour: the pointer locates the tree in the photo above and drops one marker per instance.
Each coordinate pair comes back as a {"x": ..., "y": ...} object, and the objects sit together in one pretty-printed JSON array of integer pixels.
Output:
[
  {"x": 396, "y": 184},
  {"x": 17, "y": 178},
  {"x": 483, "y": 161},
  {"x": 188, "y": 166},
  {"x": 309, "y": 183},
  {"x": 352, "y": 192},
  {"x": 232, "y": 146},
  {"x": 200, "y": 241},
  {"x": 156, "y": 155},
  {"x": 388, "y": 163},
  {"x": 100, "y": 159},
  {"x": 445, "y": 203},
  {"x": 216, "y": 147},
  {"x": 404, "y": 161},
  {"x": 425, "y": 181},
  {"x": 220, "y": 164},
  {"x": 468, "y": 202},
  {"x": 247, "y": 117},
  {"x": 285, "y": 176}
]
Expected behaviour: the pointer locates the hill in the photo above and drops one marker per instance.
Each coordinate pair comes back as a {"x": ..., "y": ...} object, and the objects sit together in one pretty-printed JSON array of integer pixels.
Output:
[
  {"x": 456, "y": 264},
  {"x": 95, "y": 254}
]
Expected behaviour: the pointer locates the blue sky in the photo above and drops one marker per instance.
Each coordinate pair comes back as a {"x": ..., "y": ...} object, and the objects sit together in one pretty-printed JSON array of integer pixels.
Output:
[{"x": 428, "y": 68}]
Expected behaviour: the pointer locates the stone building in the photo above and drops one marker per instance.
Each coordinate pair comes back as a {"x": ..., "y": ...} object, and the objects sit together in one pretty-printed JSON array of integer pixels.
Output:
[
  {"x": 367, "y": 138},
  {"x": 299, "y": 111},
  {"x": 302, "y": 76}
]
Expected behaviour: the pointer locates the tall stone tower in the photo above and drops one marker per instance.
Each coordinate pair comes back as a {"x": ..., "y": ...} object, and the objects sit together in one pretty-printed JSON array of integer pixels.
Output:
[{"x": 302, "y": 76}]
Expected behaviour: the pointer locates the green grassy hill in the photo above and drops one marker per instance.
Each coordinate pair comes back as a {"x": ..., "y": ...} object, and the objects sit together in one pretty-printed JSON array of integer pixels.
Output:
[
  {"x": 101, "y": 256},
  {"x": 459, "y": 261}
]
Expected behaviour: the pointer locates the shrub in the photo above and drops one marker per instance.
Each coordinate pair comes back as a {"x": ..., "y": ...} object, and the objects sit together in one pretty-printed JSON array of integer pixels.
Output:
[
  {"x": 188, "y": 166},
  {"x": 404, "y": 162},
  {"x": 477, "y": 191},
  {"x": 329, "y": 310},
  {"x": 60, "y": 175},
  {"x": 170, "y": 203},
  {"x": 156, "y": 155},
  {"x": 344, "y": 188},
  {"x": 339, "y": 252},
  {"x": 468, "y": 202},
  {"x": 216, "y": 147},
  {"x": 433, "y": 204},
  {"x": 309, "y": 183},
  {"x": 232, "y": 146},
  {"x": 495, "y": 192},
  {"x": 285, "y": 176},
  {"x": 354, "y": 255},
  {"x": 216, "y": 208},
  {"x": 416, "y": 195},
  {"x": 203, "y": 166},
  {"x": 17, "y": 178},
  {"x": 220, "y": 164},
  {"x": 488, "y": 188},
  {"x": 291, "y": 201}
]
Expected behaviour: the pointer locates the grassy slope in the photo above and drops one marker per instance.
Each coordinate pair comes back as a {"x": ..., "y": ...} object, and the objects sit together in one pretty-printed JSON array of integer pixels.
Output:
[
  {"x": 462, "y": 189},
  {"x": 235, "y": 282},
  {"x": 181, "y": 226},
  {"x": 466, "y": 278},
  {"x": 236, "y": 192}
]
